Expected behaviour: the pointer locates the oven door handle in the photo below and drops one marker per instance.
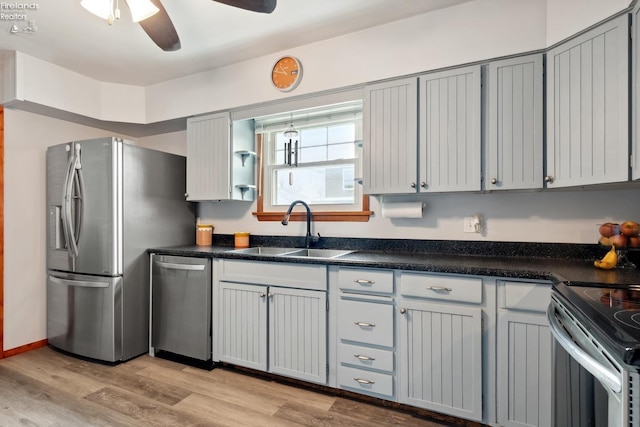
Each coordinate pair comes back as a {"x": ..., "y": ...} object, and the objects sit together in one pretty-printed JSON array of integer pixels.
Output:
[{"x": 599, "y": 371}]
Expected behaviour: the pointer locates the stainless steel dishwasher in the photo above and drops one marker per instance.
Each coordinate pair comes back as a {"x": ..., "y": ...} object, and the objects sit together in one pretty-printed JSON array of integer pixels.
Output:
[{"x": 181, "y": 305}]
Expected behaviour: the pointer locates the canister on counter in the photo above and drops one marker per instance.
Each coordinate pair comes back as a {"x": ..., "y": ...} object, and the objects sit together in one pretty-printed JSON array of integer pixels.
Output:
[
  {"x": 204, "y": 234},
  {"x": 241, "y": 239}
]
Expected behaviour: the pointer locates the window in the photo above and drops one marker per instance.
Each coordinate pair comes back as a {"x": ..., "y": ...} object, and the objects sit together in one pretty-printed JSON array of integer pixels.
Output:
[{"x": 312, "y": 155}]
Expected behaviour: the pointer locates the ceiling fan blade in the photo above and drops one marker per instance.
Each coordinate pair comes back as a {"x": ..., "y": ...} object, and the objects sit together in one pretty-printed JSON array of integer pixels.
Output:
[
  {"x": 262, "y": 6},
  {"x": 161, "y": 30}
]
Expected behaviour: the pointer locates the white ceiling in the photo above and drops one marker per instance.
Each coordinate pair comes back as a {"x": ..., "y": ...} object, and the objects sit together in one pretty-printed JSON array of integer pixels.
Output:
[{"x": 212, "y": 34}]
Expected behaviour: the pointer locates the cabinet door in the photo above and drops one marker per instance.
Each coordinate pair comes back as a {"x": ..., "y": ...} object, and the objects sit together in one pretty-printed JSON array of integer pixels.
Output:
[
  {"x": 298, "y": 334},
  {"x": 524, "y": 369},
  {"x": 635, "y": 121},
  {"x": 242, "y": 325},
  {"x": 441, "y": 358},
  {"x": 208, "y": 160},
  {"x": 588, "y": 107},
  {"x": 450, "y": 130},
  {"x": 390, "y": 146},
  {"x": 514, "y": 146}
]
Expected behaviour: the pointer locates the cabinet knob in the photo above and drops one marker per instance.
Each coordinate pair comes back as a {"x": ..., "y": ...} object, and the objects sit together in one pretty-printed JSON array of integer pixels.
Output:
[
  {"x": 186, "y": 194},
  {"x": 413, "y": 185},
  {"x": 548, "y": 179},
  {"x": 423, "y": 184},
  {"x": 494, "y": 181},
  {"x": 262, "y": 295},
  {"x": 403, "y": 310}
]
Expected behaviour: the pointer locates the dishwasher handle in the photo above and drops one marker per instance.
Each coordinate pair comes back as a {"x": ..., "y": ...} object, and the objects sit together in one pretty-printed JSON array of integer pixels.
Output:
[
  {"x": 595, "y": 368},
  {"x": 176, "y": 266}
]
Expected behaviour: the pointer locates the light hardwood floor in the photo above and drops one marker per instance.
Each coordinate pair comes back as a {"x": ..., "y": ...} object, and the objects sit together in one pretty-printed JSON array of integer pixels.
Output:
[{"x": 44, "y": 387}]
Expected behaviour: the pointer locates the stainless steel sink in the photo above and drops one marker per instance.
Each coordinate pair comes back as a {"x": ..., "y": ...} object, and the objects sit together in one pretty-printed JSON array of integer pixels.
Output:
[
  {"x": 259, "y": 250},
  {"x": 293, "y": 252},
  {"x": 317, "y": 253}
]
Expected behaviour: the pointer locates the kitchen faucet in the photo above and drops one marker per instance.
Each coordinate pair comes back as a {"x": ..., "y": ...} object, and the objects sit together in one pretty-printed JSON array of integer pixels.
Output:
[{"x": 285, "y": 221}]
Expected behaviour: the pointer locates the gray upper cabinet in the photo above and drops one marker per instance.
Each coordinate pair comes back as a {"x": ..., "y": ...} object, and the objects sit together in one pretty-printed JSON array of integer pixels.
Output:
[
  {"x": 635, "y": 122},
  {"x": 450, "y": 130},
  {"x": 588, "y": 107},
  {"x": 515, "y": 124},
  {"x": 220, "y": 165},
  {"x": 390, "y": 127}
]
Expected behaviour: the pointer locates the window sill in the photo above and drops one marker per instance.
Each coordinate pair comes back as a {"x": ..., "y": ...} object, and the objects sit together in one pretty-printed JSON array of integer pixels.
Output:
[{"x": 344, "y": 216}]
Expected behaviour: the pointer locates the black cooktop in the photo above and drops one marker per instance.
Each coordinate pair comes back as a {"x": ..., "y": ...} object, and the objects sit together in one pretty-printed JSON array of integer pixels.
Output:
[{"x": 611, "y": 312}]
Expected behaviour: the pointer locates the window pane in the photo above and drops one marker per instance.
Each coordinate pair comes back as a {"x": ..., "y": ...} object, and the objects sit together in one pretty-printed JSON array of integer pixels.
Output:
[
  {"x": 315, "y": 185},
  {"x": 341, "y": 151},
  {"x": 341, "y": 133},
  {"x": 313, "y": 137},
  {"x": 313, "y": 154}
]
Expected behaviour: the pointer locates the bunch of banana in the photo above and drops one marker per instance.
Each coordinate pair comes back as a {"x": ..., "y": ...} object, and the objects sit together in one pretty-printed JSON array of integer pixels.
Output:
[{"x": 608, "y": 261}]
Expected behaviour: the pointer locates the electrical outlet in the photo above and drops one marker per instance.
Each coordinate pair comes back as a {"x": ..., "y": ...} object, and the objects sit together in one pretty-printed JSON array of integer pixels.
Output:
[{"x": 472, "y": 224}]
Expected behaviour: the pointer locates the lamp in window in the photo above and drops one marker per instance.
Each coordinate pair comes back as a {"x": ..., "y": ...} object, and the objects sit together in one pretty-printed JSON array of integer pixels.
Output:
[
  {"x": 289, "y": 152},
  {"x": 140, "y": 9}
]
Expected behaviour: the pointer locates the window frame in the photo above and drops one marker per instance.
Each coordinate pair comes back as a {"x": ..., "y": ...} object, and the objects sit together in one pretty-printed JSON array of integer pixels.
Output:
[{"x": 261, "y": 214}]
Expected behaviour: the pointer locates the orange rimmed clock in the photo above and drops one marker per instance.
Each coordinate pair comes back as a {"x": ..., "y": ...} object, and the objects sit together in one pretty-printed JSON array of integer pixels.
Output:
[{"x": 286, "y": 73}]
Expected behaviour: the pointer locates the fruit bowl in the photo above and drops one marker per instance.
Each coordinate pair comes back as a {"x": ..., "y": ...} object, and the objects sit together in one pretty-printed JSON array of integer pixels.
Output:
[{"x": 624, "y": 237}]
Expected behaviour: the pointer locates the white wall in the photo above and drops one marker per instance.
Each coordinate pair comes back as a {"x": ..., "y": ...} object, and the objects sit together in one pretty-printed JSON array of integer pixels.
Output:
[
  {"x": 553, "y": 217},
  {"x": 567, "y": 17},
  {"x": 468, "y": 32}
]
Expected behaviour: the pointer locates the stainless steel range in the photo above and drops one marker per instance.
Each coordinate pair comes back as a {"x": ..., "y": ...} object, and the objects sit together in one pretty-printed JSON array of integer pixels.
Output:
[{"x": 597, "y": 361}]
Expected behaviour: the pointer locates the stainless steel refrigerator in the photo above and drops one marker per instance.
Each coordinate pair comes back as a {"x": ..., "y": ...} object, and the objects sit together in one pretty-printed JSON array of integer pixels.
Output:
[{"x": 108, "y": 201}]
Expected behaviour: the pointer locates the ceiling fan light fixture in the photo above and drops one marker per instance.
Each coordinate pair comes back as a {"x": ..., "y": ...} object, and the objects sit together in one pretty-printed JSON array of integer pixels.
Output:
[
  {"x": 141, "y": 9},
  {"x": 100, "y": 8}
]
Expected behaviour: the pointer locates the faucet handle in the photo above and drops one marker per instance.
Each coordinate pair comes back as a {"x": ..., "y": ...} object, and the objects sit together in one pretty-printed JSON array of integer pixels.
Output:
[{"x": 316, "y": 238}]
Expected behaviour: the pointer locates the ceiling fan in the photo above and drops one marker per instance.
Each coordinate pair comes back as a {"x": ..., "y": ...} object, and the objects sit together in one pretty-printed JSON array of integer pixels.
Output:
[{"x": 155, "y": 21}]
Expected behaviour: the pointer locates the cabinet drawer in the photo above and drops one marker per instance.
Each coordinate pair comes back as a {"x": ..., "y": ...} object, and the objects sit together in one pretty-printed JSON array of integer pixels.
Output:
[
  {"x": 366, "y": 280},
  {"x": 449, "y": 288},
  {"x": 288, "y": 275},
  {"x": 525, "y": 296},
  {"x": 366, "y": 382},
  {"x": 365, "y": 322},
  {"x": 373, "y": 358}
]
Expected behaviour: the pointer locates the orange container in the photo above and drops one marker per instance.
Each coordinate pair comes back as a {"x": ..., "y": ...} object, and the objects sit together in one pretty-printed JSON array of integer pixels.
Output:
[
  {"x": 204, "y": 234},
  {"x": 241, "y": 239}
]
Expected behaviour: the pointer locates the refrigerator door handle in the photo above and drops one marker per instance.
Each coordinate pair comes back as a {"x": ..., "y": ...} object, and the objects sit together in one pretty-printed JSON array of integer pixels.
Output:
[
  {"x": 174, "y": 266},
  {"x": 73, "y": 182},
  {"x": 65, "y": 211},
  {"x": 78, "y": 283}
]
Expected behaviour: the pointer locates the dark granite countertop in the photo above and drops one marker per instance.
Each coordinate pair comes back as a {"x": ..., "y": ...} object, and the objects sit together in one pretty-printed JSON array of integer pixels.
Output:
[{"x": 533, "y": 261}]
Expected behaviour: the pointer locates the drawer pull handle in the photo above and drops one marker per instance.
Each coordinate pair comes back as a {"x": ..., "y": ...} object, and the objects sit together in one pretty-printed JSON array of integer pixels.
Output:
[
  {"x": 363, "y": 381},
  {"x": 439, "y": 289},
  {"x": 365, "y": 324},
  {"x": 361, "y": 357},
  {"x": 364, "y": 282}
]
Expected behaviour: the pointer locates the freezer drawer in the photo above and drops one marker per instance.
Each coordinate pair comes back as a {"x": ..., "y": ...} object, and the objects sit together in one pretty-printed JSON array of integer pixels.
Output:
[
  {"x": 181, "y": 305},
  {"x": 84, "y": 315}
]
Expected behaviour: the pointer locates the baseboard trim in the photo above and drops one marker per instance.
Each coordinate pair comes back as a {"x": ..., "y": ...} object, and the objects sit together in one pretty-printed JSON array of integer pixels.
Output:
[{"x": 24, "y": 348}]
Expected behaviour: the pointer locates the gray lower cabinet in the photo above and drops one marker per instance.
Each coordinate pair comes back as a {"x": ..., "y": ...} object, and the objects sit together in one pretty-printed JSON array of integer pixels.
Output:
[
  {"x": 588, "y": 107},
  {"x": 267, "y": 323},
  {"x": 515, "y": 124},
  {"x": 440, "y": 343},
  {"x": 524, "y": 356}
]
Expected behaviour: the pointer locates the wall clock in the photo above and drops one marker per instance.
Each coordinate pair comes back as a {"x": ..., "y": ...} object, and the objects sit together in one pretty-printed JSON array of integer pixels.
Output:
[{"x": 286, "y": 73}]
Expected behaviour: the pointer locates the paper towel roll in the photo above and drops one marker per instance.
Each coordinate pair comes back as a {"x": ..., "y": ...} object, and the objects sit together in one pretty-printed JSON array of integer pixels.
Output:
[{"x": 402, "y": 209}]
